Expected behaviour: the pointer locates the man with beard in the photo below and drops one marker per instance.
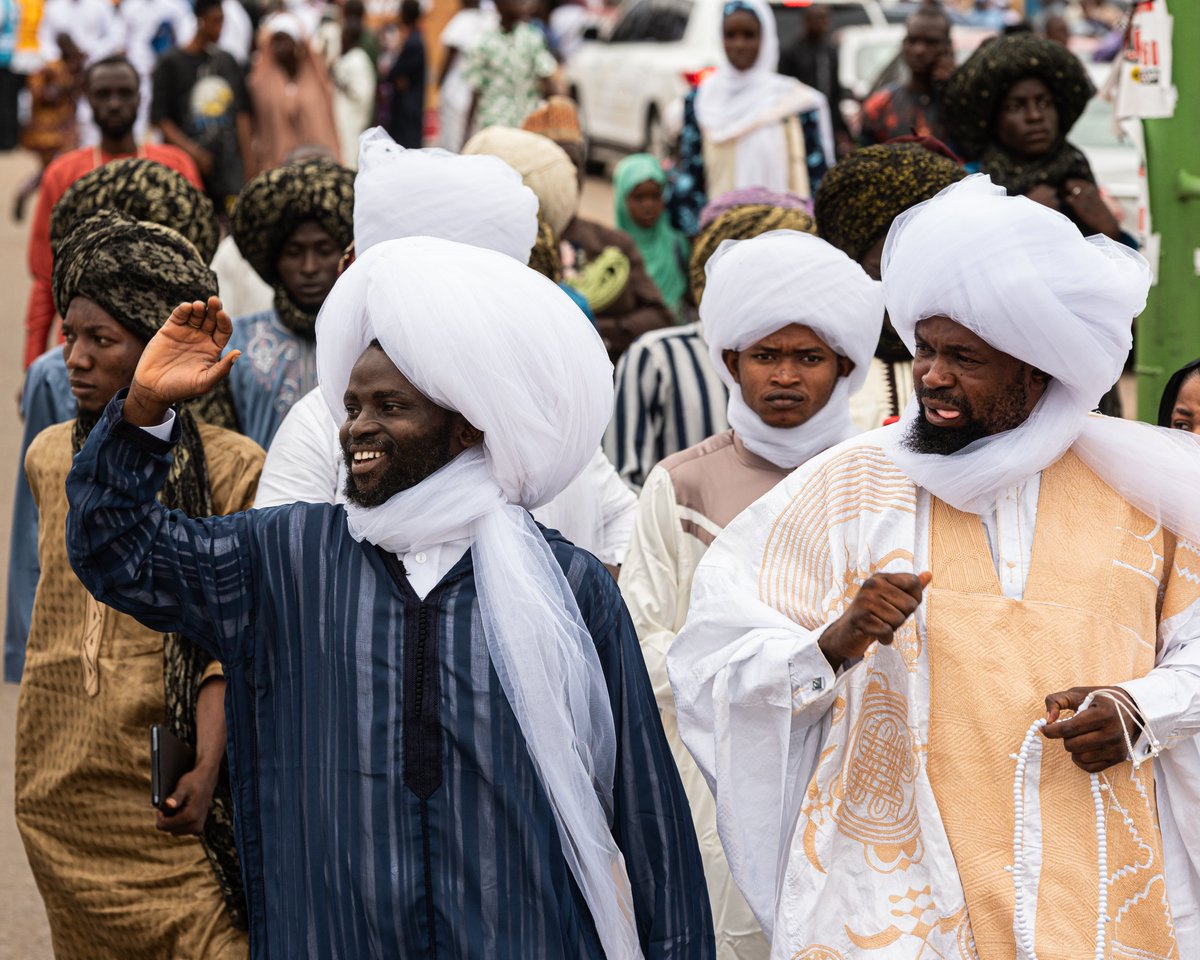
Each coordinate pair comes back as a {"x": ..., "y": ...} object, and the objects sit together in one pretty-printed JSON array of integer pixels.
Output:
[
  {"x": 443, "y": 739},
  {"x": 873, "y": 647},
  {"x": 111, "y": 87},
  {"x": 854, "y": 207}
]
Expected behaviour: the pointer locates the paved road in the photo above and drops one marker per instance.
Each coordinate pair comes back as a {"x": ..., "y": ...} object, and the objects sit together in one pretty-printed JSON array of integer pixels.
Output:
[{"x": 23, "y": 931}]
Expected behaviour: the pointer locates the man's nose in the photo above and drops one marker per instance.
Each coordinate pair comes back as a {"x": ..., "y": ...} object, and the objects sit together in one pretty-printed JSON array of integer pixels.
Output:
[
  {"x": 786, "y": 373},
  {"x": 76, "y": 357},
  {"x": 938, "y": 375}
]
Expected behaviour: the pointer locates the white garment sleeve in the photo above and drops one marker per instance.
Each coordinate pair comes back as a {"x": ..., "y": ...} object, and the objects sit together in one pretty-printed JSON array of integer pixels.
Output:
[
  {"x": 618, "y": 509},
  {"x": 753, "y": 692},
  {"x": 650, "y": 579},
  {"x": 302, "y": 464}
]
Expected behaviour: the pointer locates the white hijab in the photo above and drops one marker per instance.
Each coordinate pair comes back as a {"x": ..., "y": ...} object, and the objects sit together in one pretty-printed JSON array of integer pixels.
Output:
[
  {"x": 749, "y": 107},
  {"x": 478, "y": 200},
  {"x": 479, "y": 333},
  {"x": 756, "y": 287},
  {"x": 1021, "y": 277}
]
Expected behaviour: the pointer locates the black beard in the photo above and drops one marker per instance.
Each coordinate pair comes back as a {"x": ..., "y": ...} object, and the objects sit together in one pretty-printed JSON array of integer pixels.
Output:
[
  {"x": 408, "y": 464},
  {"x": 1006, "y": 413}
]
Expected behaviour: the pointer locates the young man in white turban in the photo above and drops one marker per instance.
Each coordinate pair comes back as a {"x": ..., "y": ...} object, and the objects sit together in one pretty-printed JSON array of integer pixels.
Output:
[
  {"x": 478, "y": 200},
  {"x": 945, "y": 679},
  {"x": 791, "y": 324},
  {"x": 443, "y": 738}
]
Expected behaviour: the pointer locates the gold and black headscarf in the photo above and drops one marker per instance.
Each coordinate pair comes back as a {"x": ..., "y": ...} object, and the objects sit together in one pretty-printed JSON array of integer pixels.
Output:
[
  {"x": 277, "y": 201},
  {"x": 145, "y": 190},
  {"x": 138, "y": 272},
  {"x": 861, "y": 195}
]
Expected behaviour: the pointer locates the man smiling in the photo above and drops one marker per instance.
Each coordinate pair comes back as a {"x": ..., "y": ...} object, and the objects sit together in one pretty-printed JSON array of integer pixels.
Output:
[
  {"x": 791, "y": 323},
  {"x": 444, "y": 739},
  {"x": 870, "y": 645}
]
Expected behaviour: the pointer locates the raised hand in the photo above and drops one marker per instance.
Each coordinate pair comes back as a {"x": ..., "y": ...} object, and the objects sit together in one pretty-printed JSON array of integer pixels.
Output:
[
  {"x": 181, "y": 361},
  {"x": 879, "y": 609}
]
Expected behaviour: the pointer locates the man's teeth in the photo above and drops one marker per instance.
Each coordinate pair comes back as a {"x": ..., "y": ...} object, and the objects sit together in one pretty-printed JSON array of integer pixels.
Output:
[{"x": 360, "y": 455}]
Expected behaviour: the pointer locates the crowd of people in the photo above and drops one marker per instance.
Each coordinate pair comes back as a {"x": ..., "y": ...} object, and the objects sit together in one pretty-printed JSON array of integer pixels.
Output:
[{"x": 751, "y": 579}]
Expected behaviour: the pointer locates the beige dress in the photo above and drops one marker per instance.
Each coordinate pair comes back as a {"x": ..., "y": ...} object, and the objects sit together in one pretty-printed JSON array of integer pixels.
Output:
[
  {"x": 114, "y": 886},
  {"x": 686, "y": 501}
]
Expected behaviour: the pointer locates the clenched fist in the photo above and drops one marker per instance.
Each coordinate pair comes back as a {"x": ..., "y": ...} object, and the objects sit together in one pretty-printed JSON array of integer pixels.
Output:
[{"x": 882, "y": 605}]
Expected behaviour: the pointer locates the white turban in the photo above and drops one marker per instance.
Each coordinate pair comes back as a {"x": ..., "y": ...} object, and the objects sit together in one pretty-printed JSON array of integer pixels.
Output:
[
  {"x": 431, "y": 193},
  {"x": 756, "y": 287},
  {"x": 478, "y": 333},
  {"x": 286, "y": 23},
  {"x": 1021, "y": 277},
  {"x": 542, "y": 164}
]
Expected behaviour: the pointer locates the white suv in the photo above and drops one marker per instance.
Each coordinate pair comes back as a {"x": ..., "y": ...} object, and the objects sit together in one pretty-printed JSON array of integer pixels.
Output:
[{"x": 657, "y": 50}]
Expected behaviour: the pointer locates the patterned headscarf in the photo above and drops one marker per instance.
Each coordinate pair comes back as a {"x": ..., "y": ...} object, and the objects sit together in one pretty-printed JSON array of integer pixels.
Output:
[
  {"x": 145, "y": 190},
  {"x": 741, "y": 223},
  {"x": 751, "y": 196},
  {"x": 138, "y": 272},
  {"x": 277, "y": 201},
  {"x": 544, "y": 257},
  {"x": 861, "y": 195},
  {"x": 974, "y": 93}
]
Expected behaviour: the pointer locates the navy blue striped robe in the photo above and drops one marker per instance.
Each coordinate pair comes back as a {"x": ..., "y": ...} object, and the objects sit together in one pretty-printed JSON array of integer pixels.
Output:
[{"x": 386, "y": 803}]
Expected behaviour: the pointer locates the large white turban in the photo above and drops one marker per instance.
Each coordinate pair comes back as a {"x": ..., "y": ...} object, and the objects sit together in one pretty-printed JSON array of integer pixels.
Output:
[
  {"x": 542, "y": 164},
  {"x": 1022, "y": 278},
  {"x": 756, "y": 287},
  {"x": 431, "y": 193},
  {"x": 479, "y": 333}
]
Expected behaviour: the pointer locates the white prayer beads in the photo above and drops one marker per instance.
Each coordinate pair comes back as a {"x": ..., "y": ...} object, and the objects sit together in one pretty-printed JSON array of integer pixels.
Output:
[{"x": 1025, "y": 936}]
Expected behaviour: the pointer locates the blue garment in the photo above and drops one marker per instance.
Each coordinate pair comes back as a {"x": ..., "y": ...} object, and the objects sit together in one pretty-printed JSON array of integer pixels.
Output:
[
  {"x": 387, "y": 805},
  {"x": 10, "y": 19},
  {"x": 687, "y": 192},
  {"x": 580, "y": 301},
  {"x": 45, "y": 400},
  {"x": 276, "y": 369}
]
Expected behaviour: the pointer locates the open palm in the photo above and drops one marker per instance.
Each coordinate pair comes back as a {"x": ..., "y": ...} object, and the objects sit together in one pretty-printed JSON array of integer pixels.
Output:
[{"x": 183, "y": 360}]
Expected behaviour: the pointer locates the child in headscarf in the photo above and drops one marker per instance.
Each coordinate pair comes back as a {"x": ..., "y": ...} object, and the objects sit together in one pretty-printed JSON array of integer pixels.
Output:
[{"x": 638, "y": 183}]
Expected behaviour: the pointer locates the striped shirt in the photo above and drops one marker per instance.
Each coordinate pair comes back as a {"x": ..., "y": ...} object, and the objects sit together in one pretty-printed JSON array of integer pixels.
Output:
[
  {"x": 386, "y": 803},
  {"x": 669, "y": 398}
]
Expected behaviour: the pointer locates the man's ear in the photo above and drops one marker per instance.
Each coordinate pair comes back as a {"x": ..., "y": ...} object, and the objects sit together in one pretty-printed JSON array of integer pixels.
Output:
[
  {"x": 845, "y": 366},
  {"x": 466, "y": 435},
  {"x": 731, "y": 364}
]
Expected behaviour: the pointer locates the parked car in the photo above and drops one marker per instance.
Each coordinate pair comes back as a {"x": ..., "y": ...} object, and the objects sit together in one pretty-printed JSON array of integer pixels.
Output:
[{"x": 626, "y": 84}]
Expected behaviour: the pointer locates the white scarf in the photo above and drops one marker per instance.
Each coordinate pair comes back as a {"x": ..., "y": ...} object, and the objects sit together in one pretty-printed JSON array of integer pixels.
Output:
[
  {"x": 478, "y": 333},
  {"x": 1021, "y": 277},
  {"x": 755, "y": 288},
  {"x": 749, "y": 107}
]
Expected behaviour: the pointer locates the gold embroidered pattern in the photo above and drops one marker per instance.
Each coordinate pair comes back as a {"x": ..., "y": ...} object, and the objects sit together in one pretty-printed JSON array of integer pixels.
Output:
[{"x": 875, "y": 795}]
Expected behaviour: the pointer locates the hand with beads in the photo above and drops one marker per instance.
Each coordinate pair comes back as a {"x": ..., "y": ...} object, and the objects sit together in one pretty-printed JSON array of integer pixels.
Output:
[{"x": 1095, "y": 738}]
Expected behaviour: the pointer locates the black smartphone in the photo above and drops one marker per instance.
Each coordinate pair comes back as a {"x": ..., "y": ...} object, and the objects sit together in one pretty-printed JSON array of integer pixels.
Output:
[{"x": 170, "y": 759}]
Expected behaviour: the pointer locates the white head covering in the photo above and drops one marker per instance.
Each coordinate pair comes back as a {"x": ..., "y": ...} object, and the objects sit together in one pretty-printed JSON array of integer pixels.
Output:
[
  {"x": 749, "y": 106},
  {"x": 1022, "y": 278},
  {"x": 288, "y": 24},
  {"x": 478, "y": 333},
  {"x": 432, "y": 193},
  {"x": 758, "y": 286},
  {"x": 542, "y": 164}
]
